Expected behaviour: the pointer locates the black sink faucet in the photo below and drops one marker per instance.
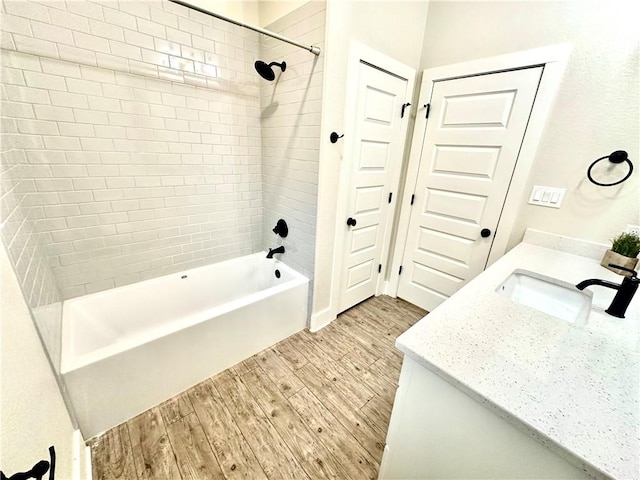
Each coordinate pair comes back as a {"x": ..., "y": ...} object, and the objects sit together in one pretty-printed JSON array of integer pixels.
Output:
[
  {"x": 625, "y": 293},
  {"x": 280, "y": 249}
]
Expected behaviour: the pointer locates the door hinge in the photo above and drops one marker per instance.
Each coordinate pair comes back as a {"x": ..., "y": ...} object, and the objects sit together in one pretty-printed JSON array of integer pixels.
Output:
[
  {"x": 400, "y": 271},
  {"x": 390, "y": 195},
  {"x": 413, "y": 197},
  {"x": 428, "y": 107},
  {"x": 379, "y": 267}
]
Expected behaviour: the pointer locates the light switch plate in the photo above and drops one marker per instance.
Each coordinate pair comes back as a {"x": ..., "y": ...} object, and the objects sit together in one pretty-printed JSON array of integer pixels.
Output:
[
  {"x": 633, "y": 229},
  {"x": 547, "y": 196}
]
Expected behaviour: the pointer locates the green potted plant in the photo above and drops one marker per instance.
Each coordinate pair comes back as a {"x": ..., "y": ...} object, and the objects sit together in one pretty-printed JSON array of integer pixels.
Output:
[{"x": 624, "y": 252}]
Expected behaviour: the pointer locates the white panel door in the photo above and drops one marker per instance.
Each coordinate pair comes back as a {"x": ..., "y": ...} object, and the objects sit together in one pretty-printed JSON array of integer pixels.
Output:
[
  {"x": 470, "y": 148},
  {"x": 375, "y": 163}
]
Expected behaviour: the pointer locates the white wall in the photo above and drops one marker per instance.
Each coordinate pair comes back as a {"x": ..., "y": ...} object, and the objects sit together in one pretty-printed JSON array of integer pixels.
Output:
[
  {"x": 258, "y": 13},
  {"x": 596, "y": 110},
  {"x": 246, "y": 11},
  {"x": 137, "y": 129},
  {"x": 270, "y": 11},
  {"x": 395, "y": 28},
  {"x": 291, "y": 113},
  {"x": 33, "y": 414}
]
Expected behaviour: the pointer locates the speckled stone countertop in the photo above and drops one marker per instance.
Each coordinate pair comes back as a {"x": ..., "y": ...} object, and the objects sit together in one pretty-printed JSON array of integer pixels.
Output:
[{"x": 575, "y": 388}]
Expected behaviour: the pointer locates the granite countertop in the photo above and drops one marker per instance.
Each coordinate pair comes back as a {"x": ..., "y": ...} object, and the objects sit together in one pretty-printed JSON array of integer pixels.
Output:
[{"x": 575, "y": 388}]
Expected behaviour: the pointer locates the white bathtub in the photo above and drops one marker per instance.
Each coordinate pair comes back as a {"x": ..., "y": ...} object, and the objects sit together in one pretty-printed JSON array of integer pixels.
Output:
[{"x": 127, "y": 349}]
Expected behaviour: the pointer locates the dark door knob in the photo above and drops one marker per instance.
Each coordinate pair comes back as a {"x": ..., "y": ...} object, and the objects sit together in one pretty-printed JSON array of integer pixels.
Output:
[
  {"x": 351, "y": 222},
  {"x": 485, "y": 232}
]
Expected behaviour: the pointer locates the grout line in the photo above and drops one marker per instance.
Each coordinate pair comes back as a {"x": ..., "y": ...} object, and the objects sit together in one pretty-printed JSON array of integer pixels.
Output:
[
  {"x": 244, "y": 438},
  {"x": 211, "y": 447},
  {"x": 133, "y": 460}
]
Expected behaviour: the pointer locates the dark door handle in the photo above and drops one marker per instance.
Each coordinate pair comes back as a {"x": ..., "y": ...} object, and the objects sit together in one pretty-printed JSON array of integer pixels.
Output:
[
  {"x": 485, "y": 232},
  {"x": 351, "y": 222}
]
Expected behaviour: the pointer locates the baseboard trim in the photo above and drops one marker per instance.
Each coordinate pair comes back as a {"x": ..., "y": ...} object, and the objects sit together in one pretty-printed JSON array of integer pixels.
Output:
[
  {"x": 81, "y": 468},
  {"x": 321, "y": 319}
]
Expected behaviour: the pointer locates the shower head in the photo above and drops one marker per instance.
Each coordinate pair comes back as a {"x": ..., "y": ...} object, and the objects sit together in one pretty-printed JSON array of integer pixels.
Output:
[{"x": 266, "y": 71}]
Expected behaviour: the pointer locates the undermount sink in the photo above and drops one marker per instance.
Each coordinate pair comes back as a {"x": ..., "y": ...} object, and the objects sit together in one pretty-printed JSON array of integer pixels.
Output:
[{"x": 549, "y": 295}]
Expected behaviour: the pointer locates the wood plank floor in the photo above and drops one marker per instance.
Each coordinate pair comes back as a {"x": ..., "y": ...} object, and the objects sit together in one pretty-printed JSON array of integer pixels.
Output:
[{"x": 316, "y": 405}]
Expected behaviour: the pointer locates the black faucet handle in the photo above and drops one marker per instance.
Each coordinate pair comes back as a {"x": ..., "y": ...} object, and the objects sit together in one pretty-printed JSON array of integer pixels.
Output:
[
  {"x": 633, "y": 273},
  {"x": 281, "y": 228}
]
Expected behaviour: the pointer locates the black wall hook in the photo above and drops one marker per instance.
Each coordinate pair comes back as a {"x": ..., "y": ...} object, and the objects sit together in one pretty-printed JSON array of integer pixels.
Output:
[
  {"x": 404, "y": 106},
  {"x": 333, "y": 138},
  {"x": 619, "y": 156}
]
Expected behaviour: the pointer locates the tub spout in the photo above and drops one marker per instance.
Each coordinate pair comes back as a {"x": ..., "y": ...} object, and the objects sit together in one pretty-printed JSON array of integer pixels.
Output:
[{"x": 273, "y": 251}]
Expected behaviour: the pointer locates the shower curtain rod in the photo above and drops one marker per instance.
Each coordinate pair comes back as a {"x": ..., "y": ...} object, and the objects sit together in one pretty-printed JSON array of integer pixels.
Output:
[{"x": 310, "y": 48}]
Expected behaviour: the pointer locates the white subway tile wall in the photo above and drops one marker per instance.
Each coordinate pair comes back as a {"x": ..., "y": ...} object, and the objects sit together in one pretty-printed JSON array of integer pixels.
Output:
[
  {"x": 135, "y": 144},
  {"x": 136, "y": 128},
  {"x": 291, "y": 111},
  {"x": 20, "y": 214}
]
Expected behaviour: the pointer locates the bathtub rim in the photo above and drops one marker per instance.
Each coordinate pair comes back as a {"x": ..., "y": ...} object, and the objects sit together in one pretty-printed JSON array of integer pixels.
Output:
[{"x": 69, "y": 363}]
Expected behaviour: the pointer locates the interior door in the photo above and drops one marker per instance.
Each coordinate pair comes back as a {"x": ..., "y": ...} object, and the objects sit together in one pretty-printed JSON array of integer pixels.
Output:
[
  {"x": 375, "y": 161},
  {"x": 471, "y": 144}
]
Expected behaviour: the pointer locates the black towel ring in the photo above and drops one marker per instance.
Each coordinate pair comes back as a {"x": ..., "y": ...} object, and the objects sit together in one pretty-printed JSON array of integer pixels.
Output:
[{"x": 619, "y": 156}]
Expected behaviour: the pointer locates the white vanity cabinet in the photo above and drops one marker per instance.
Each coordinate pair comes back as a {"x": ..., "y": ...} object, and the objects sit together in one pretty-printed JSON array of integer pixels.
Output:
[
  {"x": 494, "y": 388},
  {"x": 439, "y": 432}
]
